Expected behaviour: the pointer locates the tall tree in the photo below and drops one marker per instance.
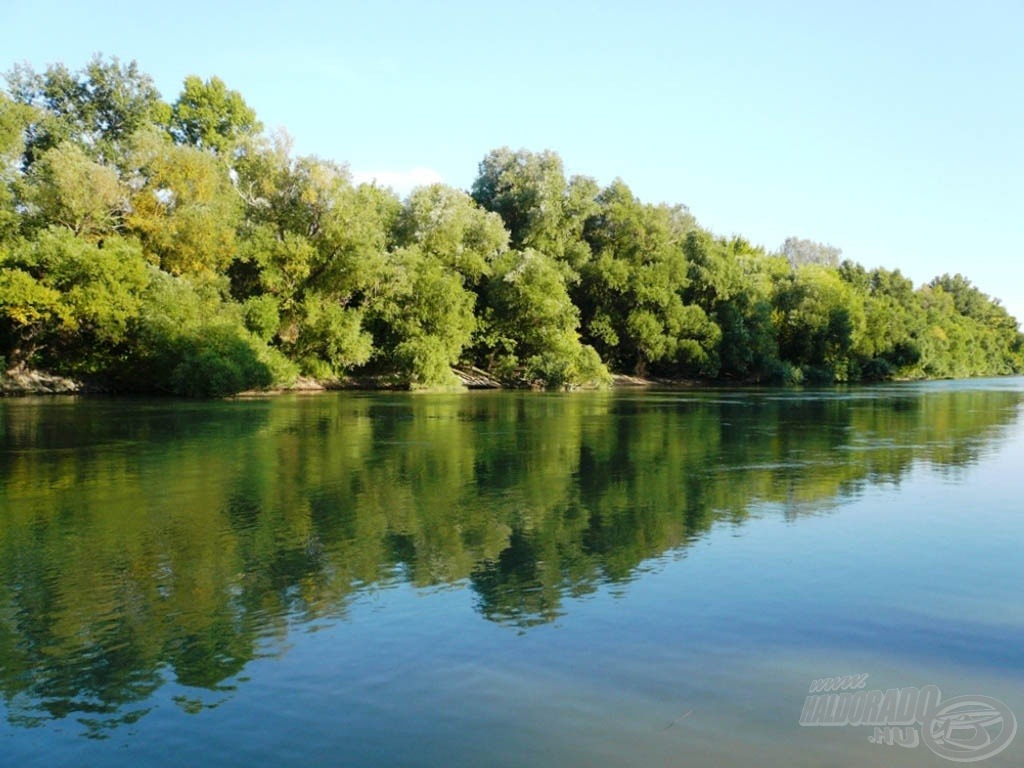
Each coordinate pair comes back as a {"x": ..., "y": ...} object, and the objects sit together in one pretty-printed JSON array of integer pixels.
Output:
[
  {"x": 208, "y": 115},
  {"x": 423, "y": 320},
  {"x": 447, "y": 224},
  {"x": 530, "y": 328},
  {"x": 318, "y": 245},
  {"x": 66, "y": 188},
  {"x": 184, "y": 206},
  {"x": 99, "y": 107},
  {"x": 820, "y": 323},
  {"x": 631, "y": 292},
  {"x": 540, "y": 208},
  {"x": 14, "y": 120},
  {"x": 800, "y": 251},
  {"x": 734, "y": 282}
]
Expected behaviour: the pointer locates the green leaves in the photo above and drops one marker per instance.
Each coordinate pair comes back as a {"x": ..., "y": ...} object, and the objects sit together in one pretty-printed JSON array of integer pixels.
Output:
[
  {"x": 67, "y": 188},
  {"x": 326, "y": 338},
  {"x": 25, "y": 302},
  {"x": 820, "y": 322},
  {"x": 59, "y": 293},
  {"x": 424, "y": 319},
  {"x": 99, "y": 108},
  {"x": 184, "y": 207},
  {"x": 447, "y": 225},
  {"x": 207, "y": 115},
  {"x": 189, "y": 341},
  {"x": 176, "y": 247},
  {"x": 541, "y": 210},
  {"x": 632, "y": 291},
  {"x": 532, "y": 334}
]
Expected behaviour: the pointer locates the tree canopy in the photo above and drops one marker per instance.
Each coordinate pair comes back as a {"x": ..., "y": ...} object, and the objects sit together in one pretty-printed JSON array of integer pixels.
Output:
[{"x": 176, "y": 246}]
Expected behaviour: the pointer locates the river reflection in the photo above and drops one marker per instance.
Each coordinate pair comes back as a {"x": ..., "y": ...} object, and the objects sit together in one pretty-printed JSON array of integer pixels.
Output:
[{"x": 148, "y": 543}]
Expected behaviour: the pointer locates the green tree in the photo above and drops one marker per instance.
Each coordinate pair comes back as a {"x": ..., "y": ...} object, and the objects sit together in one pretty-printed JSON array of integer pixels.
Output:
[
  {"x": 449, "y": 226},
  {"x": 66, "y": 188},
  {"x": 99, "y": 107},
  {"x": 734, "y": 282},
  {"x": 14, "y": 119},
  {"x": 424, "y": 320},
  {"x": 631, "y": 292},
  {"x": 66, "y": 302},
  {"x": 893, "y": 321},
  {"x": 189, "y": 341},
  {"x": 530, "y": 331},
  {"x": 184, "y": 207},
  {"x": 208, "y": 115},
  {"x": 965, "y": 333},
  {"x": 325, "y": 337},
  {"x": 540, "y": 208},
  {"x": 819, "y": 321},
  {"x": 318, "y": 245}
]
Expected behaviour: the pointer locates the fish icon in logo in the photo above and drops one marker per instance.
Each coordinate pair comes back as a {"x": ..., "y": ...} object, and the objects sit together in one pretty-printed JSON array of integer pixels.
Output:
[{"x": 966, "y": 729}]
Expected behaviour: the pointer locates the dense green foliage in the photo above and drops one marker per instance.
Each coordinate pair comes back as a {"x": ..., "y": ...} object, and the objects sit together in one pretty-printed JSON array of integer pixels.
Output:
[{"x": 178, "y": 247}]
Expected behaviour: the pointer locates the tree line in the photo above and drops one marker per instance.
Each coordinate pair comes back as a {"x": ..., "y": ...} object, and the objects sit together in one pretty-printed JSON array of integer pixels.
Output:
[{"x": 179, "y": 247}]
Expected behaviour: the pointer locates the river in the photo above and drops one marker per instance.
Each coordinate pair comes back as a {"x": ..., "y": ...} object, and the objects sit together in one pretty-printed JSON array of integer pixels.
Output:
[{"x": 626, "y": 578}]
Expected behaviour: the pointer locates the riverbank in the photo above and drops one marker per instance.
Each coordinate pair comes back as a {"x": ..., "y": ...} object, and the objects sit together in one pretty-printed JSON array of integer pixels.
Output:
[
  {"x": 29, "y": 382},
  {"x": 26, "y": 381}
]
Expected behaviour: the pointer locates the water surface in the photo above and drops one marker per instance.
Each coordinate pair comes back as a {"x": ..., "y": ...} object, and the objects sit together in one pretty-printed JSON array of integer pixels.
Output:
[{"x": 502, "y": 579}]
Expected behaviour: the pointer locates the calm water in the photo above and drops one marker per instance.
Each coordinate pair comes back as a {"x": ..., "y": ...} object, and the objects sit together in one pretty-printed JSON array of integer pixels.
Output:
[{"x": 503, "y": 579}]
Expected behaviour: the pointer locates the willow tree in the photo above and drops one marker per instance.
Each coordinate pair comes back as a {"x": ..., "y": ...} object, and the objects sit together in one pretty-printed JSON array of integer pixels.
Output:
[{"x": 530, "y": 330}]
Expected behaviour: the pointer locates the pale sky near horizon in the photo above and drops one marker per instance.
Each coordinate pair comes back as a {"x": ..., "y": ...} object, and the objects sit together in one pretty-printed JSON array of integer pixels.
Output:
[{"x": 892, "y": 130}]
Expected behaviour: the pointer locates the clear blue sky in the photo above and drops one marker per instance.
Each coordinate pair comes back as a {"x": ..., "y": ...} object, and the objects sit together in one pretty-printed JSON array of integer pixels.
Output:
[{"x": 890, "y": 129}]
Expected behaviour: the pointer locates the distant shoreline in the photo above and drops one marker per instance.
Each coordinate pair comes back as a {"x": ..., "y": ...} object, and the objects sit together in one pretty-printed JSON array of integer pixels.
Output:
[{"x": 30, "y": 382}]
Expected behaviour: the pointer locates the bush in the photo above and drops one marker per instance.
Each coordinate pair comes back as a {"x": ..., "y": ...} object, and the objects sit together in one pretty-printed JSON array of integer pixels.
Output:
[
  {"x": 424, "y": 361},
  {"x": 818, "y": 374},
  {"x": 877, "y": 369},
  {"x": 192, "y": 343},
  {"x": 781, "y": 373},
  {"x": 261, "y": 316},
  {"x": 216, "y": 362}
]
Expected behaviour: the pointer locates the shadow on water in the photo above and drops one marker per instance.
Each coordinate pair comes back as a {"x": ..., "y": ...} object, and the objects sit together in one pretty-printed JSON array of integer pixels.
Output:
[{"x": 146, "y": 543}]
